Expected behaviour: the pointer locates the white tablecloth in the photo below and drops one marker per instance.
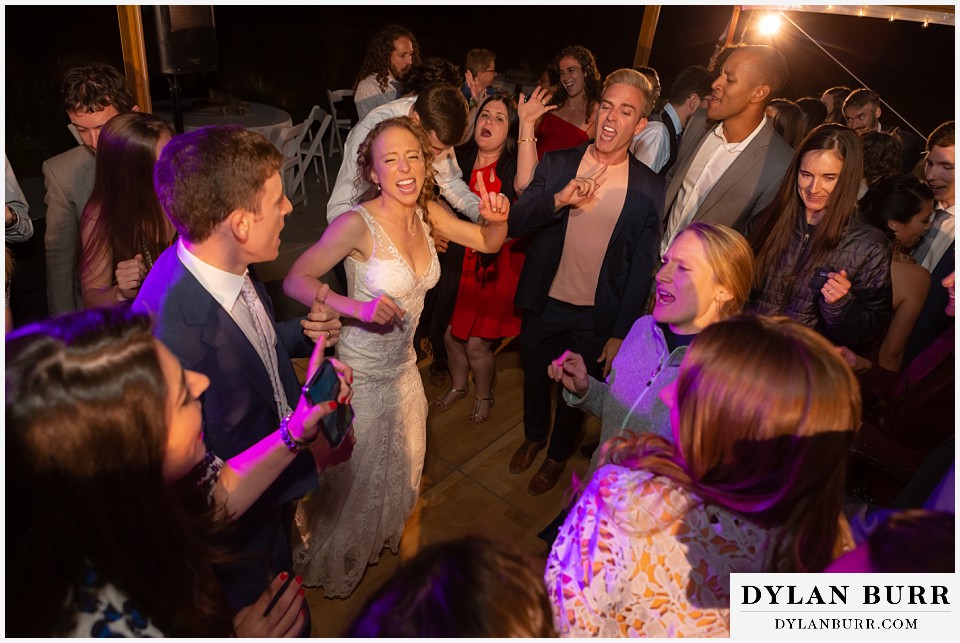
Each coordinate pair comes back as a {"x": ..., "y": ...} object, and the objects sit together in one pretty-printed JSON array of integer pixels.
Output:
[{"x": 260, "y": 118}]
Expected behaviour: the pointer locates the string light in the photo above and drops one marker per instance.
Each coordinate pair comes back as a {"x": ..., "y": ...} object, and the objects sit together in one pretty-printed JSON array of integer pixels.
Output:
[{"x": 769, "y": 24}]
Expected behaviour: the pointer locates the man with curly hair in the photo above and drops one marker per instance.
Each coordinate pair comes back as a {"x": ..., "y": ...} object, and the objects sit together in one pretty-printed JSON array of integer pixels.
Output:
[
  {"x": 92, "y": 95},
  {"x": 391, "y": 54}
]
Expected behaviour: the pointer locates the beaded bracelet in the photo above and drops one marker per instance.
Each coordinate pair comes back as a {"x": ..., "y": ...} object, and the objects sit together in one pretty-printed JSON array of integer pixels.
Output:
[
  {"x": 525, "y": 140},
  {"x": 295, "y": 445}
]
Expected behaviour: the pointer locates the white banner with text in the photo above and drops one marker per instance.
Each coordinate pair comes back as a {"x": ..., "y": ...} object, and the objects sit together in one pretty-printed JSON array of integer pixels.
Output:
[{"x": 848, "y": 607}]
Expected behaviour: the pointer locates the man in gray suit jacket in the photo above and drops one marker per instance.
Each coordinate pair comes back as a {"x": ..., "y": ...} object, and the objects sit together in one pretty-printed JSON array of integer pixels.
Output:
[
  {"x": 731, "y": 161},
  {"x": 92, "y": 95}
]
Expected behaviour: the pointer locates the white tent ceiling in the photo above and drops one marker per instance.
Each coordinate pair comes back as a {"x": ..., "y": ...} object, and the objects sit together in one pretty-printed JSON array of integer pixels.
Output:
[{"x": 927, "y": 14}]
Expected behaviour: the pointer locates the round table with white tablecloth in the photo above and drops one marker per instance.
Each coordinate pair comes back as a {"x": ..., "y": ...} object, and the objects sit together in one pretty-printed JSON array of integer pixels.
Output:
[{"x": 256, "y": 117}]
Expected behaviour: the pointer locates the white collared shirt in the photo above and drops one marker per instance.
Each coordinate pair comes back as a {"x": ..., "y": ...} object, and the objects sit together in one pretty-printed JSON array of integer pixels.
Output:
[{"x": 712, "y": 160}]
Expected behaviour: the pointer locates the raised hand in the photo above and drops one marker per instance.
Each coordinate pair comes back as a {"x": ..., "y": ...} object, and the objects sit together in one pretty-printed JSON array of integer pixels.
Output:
[
  {"x": 494, "y": 207},
  {"x": 129, "y": 275},
  {"x": 836, "y": 288},
  {"x": 284, "y": 620},
  {"x": 579, "y": 189},
  {"x": 570, "y": 370},
  {"x": 473, "y": 84},
  {"x": 531, "y": 109},
  {"x": 381, "y": 310},
  {"x": 322, "y": 320}
]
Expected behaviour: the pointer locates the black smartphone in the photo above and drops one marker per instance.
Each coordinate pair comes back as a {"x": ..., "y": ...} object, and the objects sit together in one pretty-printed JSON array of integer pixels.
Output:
[
  {"x": 323, "y": 387},
  {"x": 276, "y": 597}
]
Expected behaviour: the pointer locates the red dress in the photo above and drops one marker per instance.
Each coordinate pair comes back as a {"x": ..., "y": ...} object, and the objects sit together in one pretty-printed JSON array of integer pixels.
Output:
[
  {"x": 484, "y": 306},
  {"x": 554, "y": 133}
]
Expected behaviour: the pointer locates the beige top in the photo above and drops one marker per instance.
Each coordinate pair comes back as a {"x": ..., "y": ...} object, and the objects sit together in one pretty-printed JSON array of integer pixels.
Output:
[{"x": 589, "y": 228}]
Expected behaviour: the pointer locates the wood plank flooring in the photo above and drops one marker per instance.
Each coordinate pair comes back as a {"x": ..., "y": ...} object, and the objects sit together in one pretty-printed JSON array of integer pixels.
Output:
[{"x": 466, "y": 489}]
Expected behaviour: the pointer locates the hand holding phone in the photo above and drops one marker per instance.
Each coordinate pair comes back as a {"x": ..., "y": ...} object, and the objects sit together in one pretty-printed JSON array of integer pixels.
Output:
[
  {"x": 323, "y": 375},
  {"x": 325, "y": 386}
]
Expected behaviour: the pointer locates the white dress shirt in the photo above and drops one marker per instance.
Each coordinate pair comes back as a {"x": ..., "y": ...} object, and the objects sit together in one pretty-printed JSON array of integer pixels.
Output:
[{"x": 714, "y": 157}]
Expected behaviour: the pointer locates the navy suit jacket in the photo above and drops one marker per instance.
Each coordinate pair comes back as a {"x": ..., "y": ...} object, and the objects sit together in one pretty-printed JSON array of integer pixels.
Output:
[
  {"x": 630, "y": 259},
  {"x": 238, "y": 407}
]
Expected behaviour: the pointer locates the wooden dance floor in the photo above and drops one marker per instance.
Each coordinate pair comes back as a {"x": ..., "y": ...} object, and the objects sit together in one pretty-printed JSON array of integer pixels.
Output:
[{"x": 466, "y": 488}]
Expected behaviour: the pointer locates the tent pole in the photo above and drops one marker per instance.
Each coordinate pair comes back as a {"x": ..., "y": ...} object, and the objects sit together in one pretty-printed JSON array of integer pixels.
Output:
[
  {"x": 734, "y": 17},
  {"x": 648, "y": 29},
  {"x": 134, "y": 55}
]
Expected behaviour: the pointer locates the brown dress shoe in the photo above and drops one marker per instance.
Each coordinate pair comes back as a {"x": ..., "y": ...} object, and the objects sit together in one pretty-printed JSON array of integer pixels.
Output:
[
  {"x": 546, "y": 478},
  {"x": 524, "y": 455}
]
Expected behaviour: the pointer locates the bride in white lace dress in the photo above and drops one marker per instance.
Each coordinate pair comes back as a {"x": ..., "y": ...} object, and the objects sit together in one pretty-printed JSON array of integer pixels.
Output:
[{"x": 391, "y": 263}]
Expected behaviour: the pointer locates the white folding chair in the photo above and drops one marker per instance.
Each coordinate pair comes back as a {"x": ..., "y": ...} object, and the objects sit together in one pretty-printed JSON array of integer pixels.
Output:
[
  {"x": 311, "y": 147},
  {"x": 293, "y": 166},
  {"x": 339, "y": 121}
]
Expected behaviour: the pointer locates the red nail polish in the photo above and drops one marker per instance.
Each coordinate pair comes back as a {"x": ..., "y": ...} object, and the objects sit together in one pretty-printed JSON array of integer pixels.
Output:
[
  {"x": 283, "y": 576},
  {"x": 301, "y": 591},
  {"x": 299, "y": 580},
  {"x": 333, "y": 406}
]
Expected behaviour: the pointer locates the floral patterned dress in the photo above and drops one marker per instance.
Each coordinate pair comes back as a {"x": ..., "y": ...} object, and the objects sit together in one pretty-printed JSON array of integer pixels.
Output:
[{"x": 639, "y": 556}]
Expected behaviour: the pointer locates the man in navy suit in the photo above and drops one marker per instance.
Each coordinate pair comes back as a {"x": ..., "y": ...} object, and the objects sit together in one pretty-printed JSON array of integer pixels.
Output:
[
  {"x": 594, "y": 214},
  {"x": 221, "y": 188}
]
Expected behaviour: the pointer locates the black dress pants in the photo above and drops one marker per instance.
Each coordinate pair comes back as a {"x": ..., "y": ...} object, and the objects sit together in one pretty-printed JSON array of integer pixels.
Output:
[{"x": 543, "y": 337}]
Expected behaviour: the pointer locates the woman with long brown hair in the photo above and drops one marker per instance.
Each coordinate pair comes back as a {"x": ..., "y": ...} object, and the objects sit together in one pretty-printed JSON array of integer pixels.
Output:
[
  {"x": 574, "y": 103},
  {"x": 817, "y": 262},
  {"x": 123, "y": 228},
  {"x": 119, "y": 506},
  {"x": 763, "y": 413}
]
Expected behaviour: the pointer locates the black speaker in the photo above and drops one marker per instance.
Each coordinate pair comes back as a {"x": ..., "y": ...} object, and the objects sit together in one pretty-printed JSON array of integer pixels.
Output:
[{"x": 187, "y": 39}]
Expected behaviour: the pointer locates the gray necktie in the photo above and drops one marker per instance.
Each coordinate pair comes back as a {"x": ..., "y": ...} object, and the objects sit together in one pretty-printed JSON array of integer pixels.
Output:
[
  {"x": 920, "y": 253},
  {"x": 260, "y": 320}
]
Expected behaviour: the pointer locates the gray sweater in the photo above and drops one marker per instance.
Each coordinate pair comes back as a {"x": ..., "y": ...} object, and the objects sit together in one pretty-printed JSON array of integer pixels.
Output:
[{"x": 630, "y": 400}]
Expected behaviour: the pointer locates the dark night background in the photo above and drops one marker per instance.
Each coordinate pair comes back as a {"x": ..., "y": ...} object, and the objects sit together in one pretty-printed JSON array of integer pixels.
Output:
[{"x": 288, "y": 56}]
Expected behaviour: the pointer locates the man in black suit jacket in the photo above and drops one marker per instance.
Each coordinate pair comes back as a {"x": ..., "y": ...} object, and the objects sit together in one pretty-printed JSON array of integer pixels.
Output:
[
  {"x": 198, "y": 292},
  {"x": 593, "y": 213}
]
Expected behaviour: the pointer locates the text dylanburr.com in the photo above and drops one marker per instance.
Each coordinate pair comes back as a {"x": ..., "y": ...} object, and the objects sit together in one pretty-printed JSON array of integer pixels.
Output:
[{"x": 848, "y": 607}]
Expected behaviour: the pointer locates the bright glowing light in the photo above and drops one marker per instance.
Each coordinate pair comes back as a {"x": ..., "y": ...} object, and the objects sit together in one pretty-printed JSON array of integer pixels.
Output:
[{"x": 770, "y": 24}]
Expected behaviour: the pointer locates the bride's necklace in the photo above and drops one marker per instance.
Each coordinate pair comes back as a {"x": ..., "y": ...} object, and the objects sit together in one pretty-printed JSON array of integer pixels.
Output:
[{"x": 412, "y": 229}]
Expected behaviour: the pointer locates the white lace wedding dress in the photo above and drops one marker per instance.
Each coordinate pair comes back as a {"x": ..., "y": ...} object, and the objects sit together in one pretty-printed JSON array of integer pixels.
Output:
[{"x": 362, "y": 504}]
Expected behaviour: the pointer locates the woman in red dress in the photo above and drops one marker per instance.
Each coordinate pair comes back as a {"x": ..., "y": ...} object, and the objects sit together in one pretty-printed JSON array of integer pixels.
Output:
[
  {"x": 576, "y": 99},
  {"x": 502, "y": 152}
]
